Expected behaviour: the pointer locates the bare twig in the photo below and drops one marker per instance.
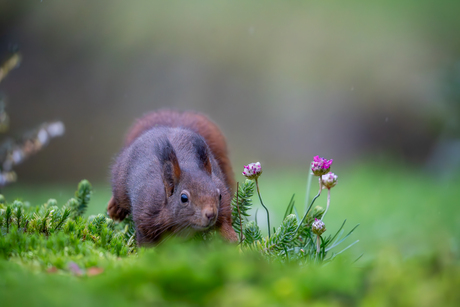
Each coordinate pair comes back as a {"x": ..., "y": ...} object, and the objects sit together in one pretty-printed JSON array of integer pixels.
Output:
[{"x": 10, "y": 63}]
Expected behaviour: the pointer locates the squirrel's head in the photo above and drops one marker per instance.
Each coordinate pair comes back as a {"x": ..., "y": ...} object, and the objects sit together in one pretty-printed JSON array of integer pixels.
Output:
[{"x": 193, "y": 193}]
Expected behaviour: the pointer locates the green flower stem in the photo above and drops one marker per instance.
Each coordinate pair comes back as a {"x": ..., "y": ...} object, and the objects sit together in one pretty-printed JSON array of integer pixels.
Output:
[
  {"x": 262, "y": 203},
  {"x": 311, "y": 204},
  {"x": 328, "y": 202},
  {"x": 320, "y": 185},
  {"x": 318, "y": 244},
  {"x": 307, "y": 197}
]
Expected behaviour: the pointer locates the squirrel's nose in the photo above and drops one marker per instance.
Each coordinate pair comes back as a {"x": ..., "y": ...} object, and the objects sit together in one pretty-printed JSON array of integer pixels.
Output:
[{"x": 209, "y": 215}]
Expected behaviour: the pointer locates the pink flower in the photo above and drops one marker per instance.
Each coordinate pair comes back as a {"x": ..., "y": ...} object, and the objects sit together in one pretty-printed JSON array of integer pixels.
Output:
[
  {"x": 252, "y": 170},
  {"x": 320, "y": 166},
  {"x": 318, "y": 227},
  {"x": 329, "y": 180}
]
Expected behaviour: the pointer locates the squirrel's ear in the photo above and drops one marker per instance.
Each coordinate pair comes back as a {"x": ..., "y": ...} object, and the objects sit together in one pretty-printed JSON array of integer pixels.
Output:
[
  {"x": 202, "y": 154},
  {"x": 171, "y": 169}
]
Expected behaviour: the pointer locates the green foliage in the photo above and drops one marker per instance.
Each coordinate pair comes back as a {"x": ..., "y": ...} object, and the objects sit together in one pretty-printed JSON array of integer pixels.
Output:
[
  {"x": 49, "y": 236},
  {"x": 198, "y": 274},
  {"x": 66, "y": 233},
  {"x": 284, "y": 238},
  {"x": 240, "y": 209},
  {"x": 8, "y": 218},
  {"x": 252, "y": 233},
  {"x": 83, "y": 196},
  {"x": 291, "y": 241},
  {"x": 36, "y": 270}
]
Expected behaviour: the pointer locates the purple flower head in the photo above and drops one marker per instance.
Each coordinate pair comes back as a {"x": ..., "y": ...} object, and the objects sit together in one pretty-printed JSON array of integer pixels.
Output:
[
  {"x": 318, "y": 227},
  {"x": 329, "y": 180},
  {"x": 320, "y": 166},
  {"x": 252, "y": 170}
]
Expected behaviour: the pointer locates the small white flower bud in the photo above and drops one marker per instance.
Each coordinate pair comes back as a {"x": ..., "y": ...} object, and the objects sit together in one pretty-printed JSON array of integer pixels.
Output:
[
  {"x": 318, "y": 227},
  {"x": 329, "y": 180}
]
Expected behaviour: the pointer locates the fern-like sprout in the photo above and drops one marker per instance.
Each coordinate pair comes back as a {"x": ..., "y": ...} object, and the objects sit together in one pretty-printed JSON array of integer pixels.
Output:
[
  {"x": 65, "y": 214},
  {"x": 240, "y": 209},
  {"x": 284, "y": 237},
  {"x": 8, "y": 218},
  {"x": 79, "y": 204},
  {"x": 97, "y": 223},
  {"x": 252, "y": 233},
  {"x": 18, "y": 216}
]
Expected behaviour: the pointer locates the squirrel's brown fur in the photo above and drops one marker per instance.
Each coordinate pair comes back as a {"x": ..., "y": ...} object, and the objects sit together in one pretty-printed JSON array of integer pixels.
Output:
[{"x": 168, "y": 154}]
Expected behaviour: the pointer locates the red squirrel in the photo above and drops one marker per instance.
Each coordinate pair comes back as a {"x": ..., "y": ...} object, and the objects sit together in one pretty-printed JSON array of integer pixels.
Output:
[{"x": 173, "y": 175}]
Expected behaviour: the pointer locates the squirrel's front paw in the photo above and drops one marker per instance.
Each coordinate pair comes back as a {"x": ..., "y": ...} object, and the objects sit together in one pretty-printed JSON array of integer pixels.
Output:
[{"x": 115, "y": 211}]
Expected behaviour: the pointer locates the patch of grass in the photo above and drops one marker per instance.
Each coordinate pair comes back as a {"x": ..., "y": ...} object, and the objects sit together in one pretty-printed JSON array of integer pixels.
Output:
[
  {"x": 199, "y": 274},
  {"x": 408, "y": 234},
  {"x": 395, "y": 205},
  {"x": 49, "y": 237},
  {"x": 39, "y": 194}
]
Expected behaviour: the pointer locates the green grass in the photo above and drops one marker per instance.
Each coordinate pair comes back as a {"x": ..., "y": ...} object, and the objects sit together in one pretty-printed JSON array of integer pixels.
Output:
[
  {"x": 409, "y": 230},
  {"x": 38, "y": 194},
  {"x": 218, "y": 275},
  {"x": 395, "y": 206},
  {"x": 403, "y": 207}
]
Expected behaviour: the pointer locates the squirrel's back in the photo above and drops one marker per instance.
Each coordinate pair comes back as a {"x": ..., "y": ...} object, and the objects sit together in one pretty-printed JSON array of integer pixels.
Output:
[{"x": 197, "y": 123}]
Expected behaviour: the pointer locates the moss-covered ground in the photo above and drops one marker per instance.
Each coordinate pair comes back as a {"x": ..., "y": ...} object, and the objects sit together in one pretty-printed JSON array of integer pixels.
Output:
[{"x": 409, "y": 237}]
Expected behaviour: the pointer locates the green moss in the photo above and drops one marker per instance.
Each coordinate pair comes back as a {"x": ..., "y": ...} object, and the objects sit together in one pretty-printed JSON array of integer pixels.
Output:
[{"x": 37, "y": 260}]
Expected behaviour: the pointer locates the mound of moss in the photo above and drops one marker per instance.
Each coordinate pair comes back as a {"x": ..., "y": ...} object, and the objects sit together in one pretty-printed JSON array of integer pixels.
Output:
[{"x": 50, "y": 238}]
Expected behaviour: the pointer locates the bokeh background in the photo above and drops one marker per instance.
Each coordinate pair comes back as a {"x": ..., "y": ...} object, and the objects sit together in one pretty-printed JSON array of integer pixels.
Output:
[{"x": 373, "y": 85}]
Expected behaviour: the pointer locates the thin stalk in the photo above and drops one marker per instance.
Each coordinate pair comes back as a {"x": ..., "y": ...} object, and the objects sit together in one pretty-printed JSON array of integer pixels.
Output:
[
  {"x": 18, "y": 216},
  {"x": 311, "y": 204},
  {"x": 328, "y": 202},
  {"x": 262, "y": 203},
  {"x": 239, "y": 213},
  {"x": 318, "y": 244},
  {"x": 307, "y": 197},
  {"x": 11, "y": 63}
]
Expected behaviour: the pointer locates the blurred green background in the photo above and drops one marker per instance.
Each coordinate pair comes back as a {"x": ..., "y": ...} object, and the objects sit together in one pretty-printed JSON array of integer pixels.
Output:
[{"x": 373, "y": 85}]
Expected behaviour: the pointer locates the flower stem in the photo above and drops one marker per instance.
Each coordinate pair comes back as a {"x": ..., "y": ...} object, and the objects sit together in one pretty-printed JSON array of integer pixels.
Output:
[
  {"x": 262, "y": 203},
  {"x": 318, "y": 244},
  {"x": 320, "y": 185},
  {"x": 307, "y": 197},
  {"x": 328, "y": 202},
  {"x": 309, "y": 207}
]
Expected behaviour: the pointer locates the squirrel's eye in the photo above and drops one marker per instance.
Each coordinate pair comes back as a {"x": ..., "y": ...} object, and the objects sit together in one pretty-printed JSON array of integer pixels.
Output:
[
  {"x": 220, "y": 196},
  {"x": 184, "y": 198}
]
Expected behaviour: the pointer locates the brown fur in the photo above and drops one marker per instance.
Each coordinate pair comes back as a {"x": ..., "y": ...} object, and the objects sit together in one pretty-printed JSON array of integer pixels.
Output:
[
  {"x": 168, "y": 154},
  {"x": 196, "y": 122}
]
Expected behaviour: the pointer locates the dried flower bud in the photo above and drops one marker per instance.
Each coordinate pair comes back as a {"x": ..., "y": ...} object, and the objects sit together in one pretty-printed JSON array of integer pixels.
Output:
[
  {"x": 329, "y": 180},
  {"x": 320, "y": 166},
  {"x": 318, "y": 227},
  {"x": 252, "y": 170}
]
